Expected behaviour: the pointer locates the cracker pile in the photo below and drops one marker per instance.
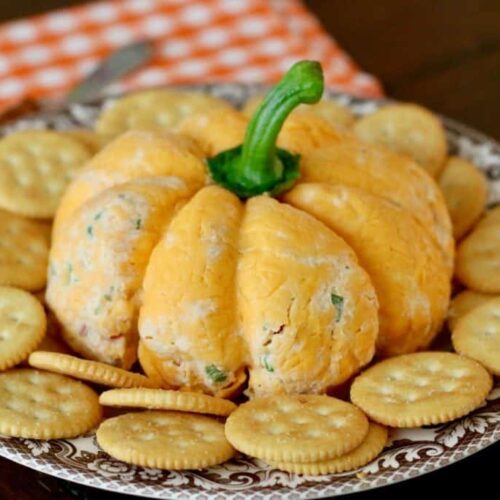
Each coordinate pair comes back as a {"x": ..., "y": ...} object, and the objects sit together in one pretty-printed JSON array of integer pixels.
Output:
[
  {"x": 62, "y": 396},
  {"x": 35, "y": 168}
]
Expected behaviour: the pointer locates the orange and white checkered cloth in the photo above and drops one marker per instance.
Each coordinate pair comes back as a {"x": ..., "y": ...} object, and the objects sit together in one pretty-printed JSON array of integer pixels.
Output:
[{"x": 195, "y": 41}]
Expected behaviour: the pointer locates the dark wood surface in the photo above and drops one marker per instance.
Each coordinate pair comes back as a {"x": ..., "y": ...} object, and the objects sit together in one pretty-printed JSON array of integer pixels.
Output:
[{"x": 444, "y": 54}]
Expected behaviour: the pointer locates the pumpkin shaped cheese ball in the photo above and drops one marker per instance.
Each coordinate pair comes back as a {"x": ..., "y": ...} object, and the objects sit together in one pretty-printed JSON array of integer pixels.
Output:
[
  {"x": 133, "y": 155},
  {"x": 301, "y": 133},
  {"x": 406, "y": 266},
  {"x": 393, "y": 177},
  {"x": 256, "y": 285},
  {"x": 97, "y": 264},
  {"x": 194, "y": 265}
]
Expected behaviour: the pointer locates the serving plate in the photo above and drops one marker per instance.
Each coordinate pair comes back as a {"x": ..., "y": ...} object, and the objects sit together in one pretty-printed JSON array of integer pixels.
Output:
[{"x": 410, "y": 452}]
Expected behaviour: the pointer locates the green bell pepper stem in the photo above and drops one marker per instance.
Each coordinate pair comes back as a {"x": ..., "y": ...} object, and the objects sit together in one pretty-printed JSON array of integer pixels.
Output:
[
  {"x": 302, "y": 84},
  {"x": 258, "y": 166}
]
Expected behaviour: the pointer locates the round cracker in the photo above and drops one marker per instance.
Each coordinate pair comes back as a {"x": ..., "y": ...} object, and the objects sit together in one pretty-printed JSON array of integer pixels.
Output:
[
  {"x": 478, "y": 259},
  {"x": 41, "y": 405},
  {"x": 491, "y": 217},
  {"x": 165, "y": 440},
  {"x": 93, "y": 141},
  {"x": 370, "y": 448},
  {"x": 91, "y": 371},
  {"x": 35, "y": 168},
  {"x": 22, "y": 326},
  {"x": 160, "y": 399},
  {"x": 24, "y": 251},
  {"x": 297, "y": 429},
  {"x": 407, "y": 129},
  {"x": 154, "y": 110},
  {"x": 421, "y": 389},
  {"x": 464, "y": 302},
  {"x": 477, "y": 335},
  {"x": 465, "y": 191}
]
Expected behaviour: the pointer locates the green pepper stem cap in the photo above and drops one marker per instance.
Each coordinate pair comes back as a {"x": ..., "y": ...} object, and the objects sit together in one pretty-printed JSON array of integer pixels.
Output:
[{"x": 258, "y": 165}]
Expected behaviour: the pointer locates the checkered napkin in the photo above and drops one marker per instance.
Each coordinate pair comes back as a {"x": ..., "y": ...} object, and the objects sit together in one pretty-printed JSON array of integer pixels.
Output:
[{"x": 195, "y": 41}]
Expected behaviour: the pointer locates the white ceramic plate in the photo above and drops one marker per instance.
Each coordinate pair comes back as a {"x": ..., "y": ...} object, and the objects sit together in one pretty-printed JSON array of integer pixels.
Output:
[{"x": 410, "y": 453}]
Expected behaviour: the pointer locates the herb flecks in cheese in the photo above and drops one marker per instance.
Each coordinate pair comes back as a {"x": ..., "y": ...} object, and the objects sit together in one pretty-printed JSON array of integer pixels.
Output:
[
  {"x": 215, "y": 374},
  {"x": 266, "y": 362},
  {"x": 338, "y": 302}
]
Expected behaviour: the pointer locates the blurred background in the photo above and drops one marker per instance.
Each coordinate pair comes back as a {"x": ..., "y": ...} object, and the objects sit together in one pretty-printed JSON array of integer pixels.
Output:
[{"x": 444, "y": 54}]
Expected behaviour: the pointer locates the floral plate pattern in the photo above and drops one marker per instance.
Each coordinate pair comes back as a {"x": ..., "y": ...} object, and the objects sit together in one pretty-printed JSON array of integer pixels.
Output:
[{"x": 410, "y": 452}]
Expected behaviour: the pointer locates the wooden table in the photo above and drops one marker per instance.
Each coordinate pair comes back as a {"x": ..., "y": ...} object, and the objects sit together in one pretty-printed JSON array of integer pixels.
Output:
[{"x": 445, "y": 55}]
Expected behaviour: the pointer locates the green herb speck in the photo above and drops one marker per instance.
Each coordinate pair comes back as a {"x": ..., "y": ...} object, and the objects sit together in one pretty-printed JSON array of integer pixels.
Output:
[
  {"x": 338, "y": 302},
  {"x": 71, "y": 277},
  {"x": 266, "y": 363},
  {"x": 214, "y": 374},
  {"x": 90, "y": 231},
  {"x": 109, "y": 296},
  {"x": 138, "y": 223},
  {"x": 98, "y": 215},
  {"x": 69, "y": 268}
]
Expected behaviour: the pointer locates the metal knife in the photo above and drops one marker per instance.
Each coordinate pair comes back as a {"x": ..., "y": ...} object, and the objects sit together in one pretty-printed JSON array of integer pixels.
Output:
[{"x": 112, "y": 68}]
